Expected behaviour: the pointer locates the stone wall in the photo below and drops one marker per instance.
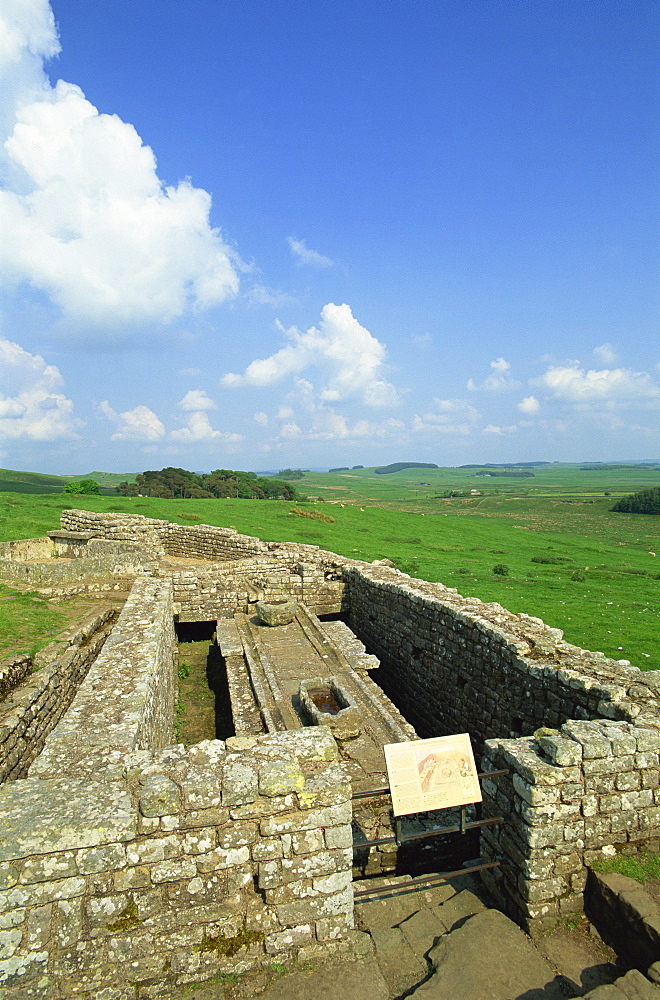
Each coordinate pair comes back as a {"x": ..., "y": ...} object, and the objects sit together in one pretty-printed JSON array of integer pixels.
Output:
[
  {"x": 22, "y": 549},
  {"x": 127, "y": 699},
  {"x": 218, "y": 591},
  {"x": 566, "y": 795},
  {"x": 13, "y": 671},
  {"x": 103, "y": 565},
  {"x": 578, "y": 733},
  {"x": 32, "y": 708},
  {"x": 155, "y": 869},
  {"x": 454, "y": 664}
]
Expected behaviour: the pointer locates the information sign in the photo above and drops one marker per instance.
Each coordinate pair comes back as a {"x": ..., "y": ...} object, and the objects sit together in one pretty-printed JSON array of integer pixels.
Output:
[{"x": 432, "y": 774}]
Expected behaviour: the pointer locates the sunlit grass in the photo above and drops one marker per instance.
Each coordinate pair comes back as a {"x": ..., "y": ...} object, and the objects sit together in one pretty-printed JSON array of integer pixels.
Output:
[{"x": 456, "y": 541}]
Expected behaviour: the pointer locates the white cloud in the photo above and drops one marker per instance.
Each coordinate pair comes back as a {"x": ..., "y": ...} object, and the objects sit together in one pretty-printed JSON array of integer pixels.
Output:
[
  {"x": 499, "y": 380},
  {"x": 198, "y": 428},
  {"x": 350, "y": 358},
  {"x": 30, "y": 404},
  {"x": 605, "y": 354},
  {"x": 261, "y": 418},
  {"x": 196, "y": 399},
  {"x": 290, "y": 431},
  {"x": 529, "y": 405},
  {"x": 452, "y": 417},
  {"x": 575, "y": 385},
  {"x": 84, "y": 216},
  {"x": 305, "y": 256},
  {"x": 138, "y": 424},
  {"x": 264, "y": 296},
  {"x": 494, "y": 429}
]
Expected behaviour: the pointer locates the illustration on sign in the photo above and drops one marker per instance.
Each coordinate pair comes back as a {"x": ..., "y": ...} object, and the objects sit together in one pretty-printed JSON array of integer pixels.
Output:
[{"x": 432, "y": 774}]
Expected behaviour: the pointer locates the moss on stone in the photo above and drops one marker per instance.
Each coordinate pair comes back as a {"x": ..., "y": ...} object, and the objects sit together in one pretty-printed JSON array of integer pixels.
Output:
[
  {"x": 229, "y": 946},
  {"x": 127, "y": 919}
]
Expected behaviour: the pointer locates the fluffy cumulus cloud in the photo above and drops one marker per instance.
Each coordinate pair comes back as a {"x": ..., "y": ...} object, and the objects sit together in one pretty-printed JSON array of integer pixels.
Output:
[
  {"x": 349, "y": 358},
  {"x": 499, "y": 380},
  {"x": 31, "y": 405},
  {"x": 306, "y": 257},
  {"x": 529, "y": 406},
  {"x": 139, "y": 424},
  {"x": 609, "y": 386},
  {"x": 198, "y": 428},
  {"x": 450, "y": 418},
  {"x": 311, "y": 419},
  {"x": 84, "y": 216},
  {"x": 196, "y": 399},
  {"x": 605, "y": 354}
]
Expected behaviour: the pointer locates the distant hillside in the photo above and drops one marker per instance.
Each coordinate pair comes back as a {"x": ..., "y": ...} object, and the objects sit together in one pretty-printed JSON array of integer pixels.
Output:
[
  {"x": 386, "y": 470},
  {"x": 12, "y": 481},
  {"x": 504, "y": 465},
  {"x": 109, "y": 479}
]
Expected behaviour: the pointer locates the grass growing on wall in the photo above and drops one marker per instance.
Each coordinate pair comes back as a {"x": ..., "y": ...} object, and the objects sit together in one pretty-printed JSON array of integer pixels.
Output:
[{"x": 571, "y": 561}]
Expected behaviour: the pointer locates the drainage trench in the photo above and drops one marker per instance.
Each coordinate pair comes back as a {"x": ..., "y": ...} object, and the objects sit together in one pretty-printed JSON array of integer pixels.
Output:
[{"x": 203, "y": 707}]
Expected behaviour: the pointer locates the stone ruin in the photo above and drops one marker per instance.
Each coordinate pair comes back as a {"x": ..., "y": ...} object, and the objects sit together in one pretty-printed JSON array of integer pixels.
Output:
[{"x": 129, "y": 862}]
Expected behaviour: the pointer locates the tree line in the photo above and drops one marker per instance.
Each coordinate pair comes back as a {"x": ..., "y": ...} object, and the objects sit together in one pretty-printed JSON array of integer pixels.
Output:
[
  {"x": 645, "y": 502},
  {"x": 171, "y": 483}
]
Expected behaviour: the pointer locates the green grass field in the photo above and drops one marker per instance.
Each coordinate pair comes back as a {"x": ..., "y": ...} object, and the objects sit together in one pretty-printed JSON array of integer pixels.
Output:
[{"x": 571, "y": 561}]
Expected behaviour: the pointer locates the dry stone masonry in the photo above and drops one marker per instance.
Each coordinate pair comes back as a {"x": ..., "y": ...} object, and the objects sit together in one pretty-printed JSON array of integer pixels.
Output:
[{"x": 129, "y": 863}]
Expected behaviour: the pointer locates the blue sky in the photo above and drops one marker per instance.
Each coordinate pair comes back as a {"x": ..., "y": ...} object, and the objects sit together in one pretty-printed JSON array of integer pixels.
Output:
[{"x": 275, "y": 233}]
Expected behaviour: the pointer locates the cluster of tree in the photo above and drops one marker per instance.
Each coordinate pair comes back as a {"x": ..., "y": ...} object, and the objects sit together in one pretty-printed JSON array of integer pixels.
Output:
[
  {"x": 512, "y": 473},
  {"x": 180, "y": 484},
  {"x": 386, "y": 470},
  {"x": 344, "y": 468},
  {"x": 82, "y": 486},
  {"x": 644, "y": 502},
  {"x": 290, "y": 473}
]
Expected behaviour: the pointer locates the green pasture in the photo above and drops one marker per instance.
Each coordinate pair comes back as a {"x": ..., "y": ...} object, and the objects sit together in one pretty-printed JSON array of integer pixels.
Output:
[{"x": 570, "y": 560}]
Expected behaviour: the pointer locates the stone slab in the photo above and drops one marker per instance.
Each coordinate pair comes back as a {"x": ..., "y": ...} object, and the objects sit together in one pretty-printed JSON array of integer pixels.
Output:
[
  {"x": 489, "y": 956},
  {"x": 61, "y": 814},
  {"x": 338, "y": 981}
]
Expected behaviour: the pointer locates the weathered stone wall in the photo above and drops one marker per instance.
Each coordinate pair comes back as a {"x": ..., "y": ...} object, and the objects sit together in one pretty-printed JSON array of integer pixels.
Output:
[
  {"x": 127, "y": 699},
  {"x": 580, "y": 734},
  {"x": 27, "y": 548},
  {"x": 206, "y": 594},
  {"x": 455, "y": 664},
  {"x": 566, "y": 796},
  {"x": 32, "y": 708},
  {"x": 159, "y": 868},
  {"x": 13, "y": 672},
  {"x": 102, "y": 565}
]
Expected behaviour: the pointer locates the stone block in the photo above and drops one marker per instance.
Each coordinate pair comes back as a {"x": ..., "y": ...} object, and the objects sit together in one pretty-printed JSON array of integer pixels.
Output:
[
  {"x": 47, "y": 867},
  {"x": 159, "y": 796},
  {"x": 101, "y": 859},
  {"x": 222, "y": 858},
  {"x": 287, "y": 939},
  {"x": 202, "y": 786},
  {"x": 173, "y": 870},
  {"x": 280, "y": 777}
]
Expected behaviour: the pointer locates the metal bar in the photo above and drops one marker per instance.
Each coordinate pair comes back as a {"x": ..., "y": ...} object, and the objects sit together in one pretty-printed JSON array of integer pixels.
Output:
[
  {"x": 436, "y": 832},
  {"x": 386, "y": 790},
  {"x": 419, "y": 883}
]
